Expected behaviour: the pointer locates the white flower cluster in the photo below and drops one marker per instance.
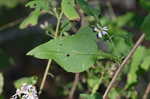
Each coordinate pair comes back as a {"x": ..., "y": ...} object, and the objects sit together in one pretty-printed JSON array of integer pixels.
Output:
[
  {"x": 101, "y": 31},
  {"x": 26, "y": 92}
]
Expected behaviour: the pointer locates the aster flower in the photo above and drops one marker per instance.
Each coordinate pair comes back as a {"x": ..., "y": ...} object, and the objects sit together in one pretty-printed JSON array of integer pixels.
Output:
[
  {"x": 101, "y": 31},
  {"x": 26, "y": 92}
]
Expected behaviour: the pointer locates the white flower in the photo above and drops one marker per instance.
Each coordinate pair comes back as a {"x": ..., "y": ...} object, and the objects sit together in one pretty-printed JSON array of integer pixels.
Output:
[
  {"x": 101, "y": 31},
  {"x": 26, "y": 92}
]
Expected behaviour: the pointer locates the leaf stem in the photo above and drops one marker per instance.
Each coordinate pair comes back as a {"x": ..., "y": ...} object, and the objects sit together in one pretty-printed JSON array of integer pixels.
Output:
[
  {"x": 45, "y": 76},
  {"x": 49, "y": 62},
  {"x": 122, "y": 65},
  {"x": 94, "y": 90},
  {"x": 58, "y": 24}
]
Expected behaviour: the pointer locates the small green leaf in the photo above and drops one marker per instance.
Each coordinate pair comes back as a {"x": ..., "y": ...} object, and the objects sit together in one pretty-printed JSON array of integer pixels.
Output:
[
  {"x": 88, "y": 9},
  {"x": 146, "y": 63},
  {"x": 74, "y": 53},
  {"x": 31, "y": 20},
  {"x": 146, "y": 27},
  {"x": 1, "y": 83},
  {"x": 113, "y": 93},
  {"x": 26, "y": 80},
  {"x": 39, "y": 4},
  {"x": 68, "y": 7}
]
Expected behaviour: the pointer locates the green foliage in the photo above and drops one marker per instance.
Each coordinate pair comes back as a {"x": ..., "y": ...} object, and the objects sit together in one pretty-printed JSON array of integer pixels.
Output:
[
  {"x": 113, "y": 94},
  {"x": 39, "y": 4},
  {"x": 79, "y": 52},
  {"x": 31, "y": 20},
  {"x": 1, "y": 83},
  {"x": 68, "y": 7},
  {"x": 146, "y": 63},
  {"x": 90, "y": 96},
  {"x": 145, "y": 27},
  {"x": 88, "y": 9},
  {"x": 136, "y": 61},
  {"x": 26, "y": 80},
  {"x": 73, "y": 53},
  {"x": 145, "y": 4}
]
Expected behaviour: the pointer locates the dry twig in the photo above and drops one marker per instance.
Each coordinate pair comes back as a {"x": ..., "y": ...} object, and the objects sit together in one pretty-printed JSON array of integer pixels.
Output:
[{"x": 122, "y": 65}]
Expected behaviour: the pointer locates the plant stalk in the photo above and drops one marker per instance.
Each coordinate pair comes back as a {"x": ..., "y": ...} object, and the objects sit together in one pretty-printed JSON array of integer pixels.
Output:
[
  {"x": 49, "y": 62},
  {"x": 122, "y": 65}
]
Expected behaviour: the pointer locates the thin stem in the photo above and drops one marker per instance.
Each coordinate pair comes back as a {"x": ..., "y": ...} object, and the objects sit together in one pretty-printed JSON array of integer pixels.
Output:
[
  {"x": 49, "y": 62},
  {"x": 58, "y": 24},
  {"x": 147, "y": 92},
  {"x": 110, "y": 8},
  {"x": 75, "y": 83},
  {"x": 94, "y": 90},
  {"x": 122, "y": 65},
  {"x": 45, "y": 76}
]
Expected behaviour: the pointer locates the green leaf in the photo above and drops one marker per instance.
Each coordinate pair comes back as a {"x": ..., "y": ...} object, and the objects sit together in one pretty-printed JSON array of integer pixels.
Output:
[
  {"x": 74, "y": 53},
  {"x": 123, "y": 20},
  {"x": 39, "y": 4},
  {"x": 145, "y": 4},
  {"x": 26, "y": 80},
  {"x": 31, "y": 20},
  {"x": 1, "y": 83},
  {"x": 68, "y": 7},
  {"x": 136, "y": 61},
  {"x": 90, "y": 96},
  {"x": 146, "y": 63},
  {"x": 88, "y": 9},
  {"x": 113, "y": 93},
  {"x": 65, "y": 26},
  {"x": 146, "y": 27}
]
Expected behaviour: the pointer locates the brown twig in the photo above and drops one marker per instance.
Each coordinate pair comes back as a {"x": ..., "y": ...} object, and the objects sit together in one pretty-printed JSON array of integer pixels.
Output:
[
  {"x": 75, "y": 83},
  {"x": 147, "y": 92},
  {"x": 122, "y": 65},
  {"x": 45, "y": 76}
]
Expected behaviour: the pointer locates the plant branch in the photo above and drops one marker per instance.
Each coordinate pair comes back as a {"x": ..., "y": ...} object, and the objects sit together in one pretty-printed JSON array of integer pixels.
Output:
[
  {"x": 75, "y": 83},
  {"x": 122, "y": 65},
  {"x": 147, "y": 92},
  {"x": 58, "y": 24},
  {"x": 45, "y": 76},
  {"x": 49, "y": 62}
]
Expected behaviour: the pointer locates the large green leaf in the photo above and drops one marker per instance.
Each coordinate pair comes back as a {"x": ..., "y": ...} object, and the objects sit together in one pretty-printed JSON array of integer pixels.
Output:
[
  {"x": 74, "y": 53},
  {"x": 136, "y": 61},
  {"x": 146, "y": 27},
  {"x": 68, "y": 7},
  {"x": 1, "y": 83}
]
